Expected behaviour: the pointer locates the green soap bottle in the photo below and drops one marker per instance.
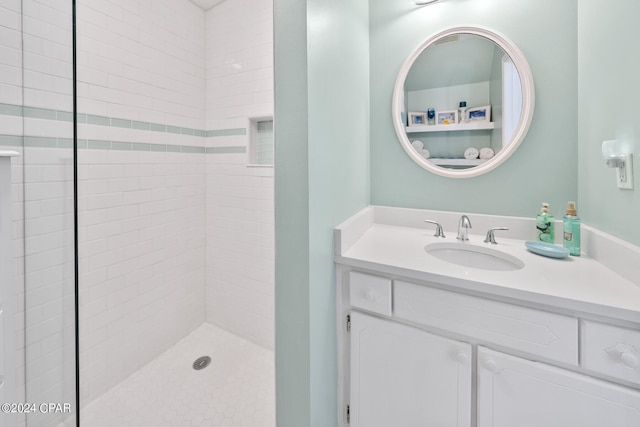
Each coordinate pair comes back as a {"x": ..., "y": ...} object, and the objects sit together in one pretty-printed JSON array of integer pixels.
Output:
[
  {"x": 544, "y": 224},
  {"x": 571, "y": 228}
]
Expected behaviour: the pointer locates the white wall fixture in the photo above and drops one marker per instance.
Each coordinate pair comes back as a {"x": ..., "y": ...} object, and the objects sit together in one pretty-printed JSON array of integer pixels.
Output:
[
  {"x": 7, "y": 347},
  {"x": 618, "y": 155}
]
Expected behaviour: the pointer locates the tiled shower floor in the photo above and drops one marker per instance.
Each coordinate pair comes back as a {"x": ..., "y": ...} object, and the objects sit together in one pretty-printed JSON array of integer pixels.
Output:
[{"x": 236, "y": 389}]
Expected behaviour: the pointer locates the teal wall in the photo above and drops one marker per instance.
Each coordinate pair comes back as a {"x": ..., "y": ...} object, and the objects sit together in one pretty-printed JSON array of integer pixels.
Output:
[
  {"x": 461, "y": 62},
  {"x": 293, "y": 402},
  {"x": 608, "y": 94},
  {"x": 543, "y": 169},
  {"x": 321, "y": 178},
  {"x": 338, "y": 170}
]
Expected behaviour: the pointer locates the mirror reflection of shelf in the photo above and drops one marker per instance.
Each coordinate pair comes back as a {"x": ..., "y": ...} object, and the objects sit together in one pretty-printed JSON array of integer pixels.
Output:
[
  {"x": 457, "y": 162},
  {"x": 451, "y": 128}
]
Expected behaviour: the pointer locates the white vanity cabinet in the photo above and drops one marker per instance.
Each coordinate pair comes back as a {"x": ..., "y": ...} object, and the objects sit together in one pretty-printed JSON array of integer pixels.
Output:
[
  {"x": 415, "y": 354},
  {"x": 403, "y": 376},
  {"x": 516, "y": 392},
  {"x": 538, "y": 332}
]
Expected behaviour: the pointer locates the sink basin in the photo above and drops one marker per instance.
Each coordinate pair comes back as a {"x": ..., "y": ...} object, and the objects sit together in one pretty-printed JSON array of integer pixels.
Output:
[{"x": 483, "y": 258}]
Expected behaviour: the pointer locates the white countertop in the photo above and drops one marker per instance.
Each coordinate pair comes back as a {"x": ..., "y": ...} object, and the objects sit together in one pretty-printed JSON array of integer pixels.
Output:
[{"x": 578, "y": 284}]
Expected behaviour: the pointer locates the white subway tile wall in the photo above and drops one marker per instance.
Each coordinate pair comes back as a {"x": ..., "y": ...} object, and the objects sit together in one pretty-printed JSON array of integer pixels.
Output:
[
  {"x": 240, "y": 240},
  {"x": 142, "y": 60},
  {"x": 264, "y": 142},
  {"x": 141, "y": 76},
  {"x": 174, "y": 227},
  {"x": 49, "y": 279},
  {"x": 171, "y": 38},
  {"x": 18, "y": 214},
  {"x": 35, "y": 78},
  {"x": 240, "y": 199},
  {"x": 10, "y": 52},
  {"x": 11, "y": 130},
  {"x": 239, "y": 60},
  {"x": 47, "y": 54},
  {"x": 142, "y": 275}
]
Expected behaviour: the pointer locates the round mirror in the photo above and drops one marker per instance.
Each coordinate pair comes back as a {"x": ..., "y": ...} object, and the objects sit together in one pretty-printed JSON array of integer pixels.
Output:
[{"x": 463, "y": 102}]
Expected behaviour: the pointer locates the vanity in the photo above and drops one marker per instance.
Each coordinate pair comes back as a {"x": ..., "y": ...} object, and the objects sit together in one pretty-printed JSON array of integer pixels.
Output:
[
  {"x": 439, "y": 331},
  {"x": 427, "y": 339}
]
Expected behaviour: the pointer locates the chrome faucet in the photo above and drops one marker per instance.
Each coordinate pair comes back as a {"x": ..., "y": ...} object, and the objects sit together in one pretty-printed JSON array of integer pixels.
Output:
[
  {"x": 463, "y": 228},
  {"x": 439, "y": 232},
  {"x": 491, "y": 239}
]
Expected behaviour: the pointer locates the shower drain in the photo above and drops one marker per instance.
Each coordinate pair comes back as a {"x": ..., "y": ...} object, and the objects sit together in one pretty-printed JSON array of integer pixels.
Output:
[{"x": 201, "y": 362}]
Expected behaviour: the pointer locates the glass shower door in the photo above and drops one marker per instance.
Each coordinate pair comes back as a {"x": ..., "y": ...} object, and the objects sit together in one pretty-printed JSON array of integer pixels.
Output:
[{"x": 36, "y": 115}]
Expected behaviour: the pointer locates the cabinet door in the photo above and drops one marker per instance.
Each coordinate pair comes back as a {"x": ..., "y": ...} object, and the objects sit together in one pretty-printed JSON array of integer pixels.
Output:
[
  {"x": 514, "y": 392},
  {"x": 405, "y": 377}
]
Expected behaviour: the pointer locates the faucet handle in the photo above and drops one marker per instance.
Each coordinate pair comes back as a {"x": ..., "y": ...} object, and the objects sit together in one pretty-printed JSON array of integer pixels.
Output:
[
  {"x": 491, "y": 239},
  {"x": 439, "y": 232}
]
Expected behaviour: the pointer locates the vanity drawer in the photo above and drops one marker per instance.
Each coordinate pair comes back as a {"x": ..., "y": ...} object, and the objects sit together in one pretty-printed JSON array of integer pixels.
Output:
[
  {"x": 548, "y": 335},
  {"x": 372, "y": 293},
  {"x": 611, "y": 351}
]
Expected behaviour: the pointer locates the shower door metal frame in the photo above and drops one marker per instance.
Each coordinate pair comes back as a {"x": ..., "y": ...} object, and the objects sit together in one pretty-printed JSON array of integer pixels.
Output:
[{"x": 76, "y": 254}]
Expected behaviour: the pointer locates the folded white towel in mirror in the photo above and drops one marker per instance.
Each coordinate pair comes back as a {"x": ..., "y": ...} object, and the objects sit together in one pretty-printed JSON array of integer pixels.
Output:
[
  {"x": 424, "y": 153},
  {"x": 471, "y": 153},
  {"x": 486, "y": 153},
  {"x": 417, "y": 144}
]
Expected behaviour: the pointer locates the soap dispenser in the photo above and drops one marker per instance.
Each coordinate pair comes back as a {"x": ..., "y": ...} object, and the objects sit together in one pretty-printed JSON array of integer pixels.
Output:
[
  {"x": 571, "y": 228},
  {"x": 462, "y": 112},
  {"x": 544, "y": 225}
]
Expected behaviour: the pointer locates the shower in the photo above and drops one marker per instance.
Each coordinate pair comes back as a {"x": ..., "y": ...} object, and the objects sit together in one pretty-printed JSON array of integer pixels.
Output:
[{"x": 142, "y": 226}]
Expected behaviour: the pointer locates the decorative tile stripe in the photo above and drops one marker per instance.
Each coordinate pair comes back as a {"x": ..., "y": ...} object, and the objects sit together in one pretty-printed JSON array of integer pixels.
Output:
[
  {"x": 140, "y": 125},
  {"x": 92, "y": 119},
  {"x": 226, "y": 150},
  {"x": 35, "y": 141},
  {"x": 173, "y": 129},
  {"x": 94, "y": 144},
  {"x": 121, "y": 123},
  {"x": 11, "y": 110},
  {"x": 226, "y": 132},
  {"x": 65, "y": 116},
  {"x": 98, "y": 120},
  {"x": 186, "y": 149},
  {"x": 39, "y": 113},
  {"x": 11, "y": 141},
  {"x": 157, "y": 128}
]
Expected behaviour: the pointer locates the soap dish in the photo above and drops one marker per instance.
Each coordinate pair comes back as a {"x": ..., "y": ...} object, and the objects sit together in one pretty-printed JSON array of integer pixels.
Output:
[{"x": 547, "y": 249}]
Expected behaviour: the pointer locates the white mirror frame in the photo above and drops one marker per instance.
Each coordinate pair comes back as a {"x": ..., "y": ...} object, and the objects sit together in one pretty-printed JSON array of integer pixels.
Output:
[{"x": 528, "y": 97}]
